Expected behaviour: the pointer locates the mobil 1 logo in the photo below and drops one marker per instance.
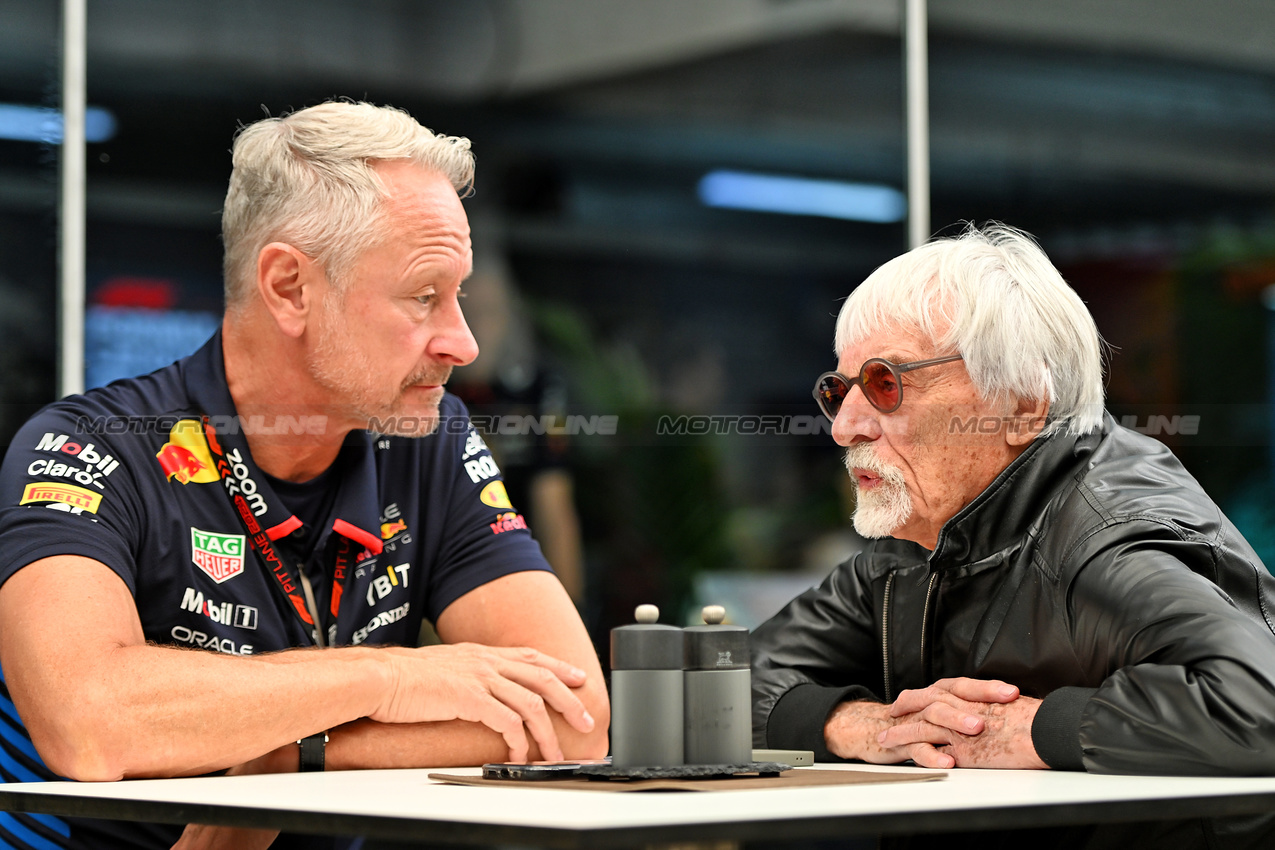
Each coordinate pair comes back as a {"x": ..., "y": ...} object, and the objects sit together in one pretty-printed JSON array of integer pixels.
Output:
[{"x": 229, "y": 613}]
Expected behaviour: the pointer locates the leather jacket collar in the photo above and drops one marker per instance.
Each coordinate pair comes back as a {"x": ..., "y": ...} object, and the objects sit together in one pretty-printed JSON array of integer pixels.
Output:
[{"x": 1000, "y": 515}]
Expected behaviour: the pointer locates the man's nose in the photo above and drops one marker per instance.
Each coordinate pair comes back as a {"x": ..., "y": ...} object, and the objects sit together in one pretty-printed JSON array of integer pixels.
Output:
[
  {"x": 857, "y": 420},
  {"x": 453, "y": 341}
]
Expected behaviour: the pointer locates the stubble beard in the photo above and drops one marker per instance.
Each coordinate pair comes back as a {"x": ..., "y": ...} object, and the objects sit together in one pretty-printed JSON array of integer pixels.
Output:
[
  {"x": 338, "y": 364},
  {"x": 887, "y": 506}
]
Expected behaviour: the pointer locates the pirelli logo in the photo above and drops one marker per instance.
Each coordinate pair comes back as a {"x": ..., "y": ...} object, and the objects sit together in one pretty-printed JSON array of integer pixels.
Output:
[{"x": 67, "y": 494}]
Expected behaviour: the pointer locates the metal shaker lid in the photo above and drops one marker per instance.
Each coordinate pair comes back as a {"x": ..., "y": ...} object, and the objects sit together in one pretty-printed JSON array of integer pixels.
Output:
[
  {"x": 646, "y": 645},
  {"x": 715, "y": 646}
]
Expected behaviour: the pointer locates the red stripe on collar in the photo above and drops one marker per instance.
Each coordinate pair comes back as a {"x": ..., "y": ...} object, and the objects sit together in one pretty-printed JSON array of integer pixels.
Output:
[
  {"x": 284, "y": 528},
  {"x": 370, "y": 541}
]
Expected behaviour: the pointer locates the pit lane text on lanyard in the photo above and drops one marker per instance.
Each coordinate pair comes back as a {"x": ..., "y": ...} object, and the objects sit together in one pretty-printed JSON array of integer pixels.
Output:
[{"x": 262, "y": 543}]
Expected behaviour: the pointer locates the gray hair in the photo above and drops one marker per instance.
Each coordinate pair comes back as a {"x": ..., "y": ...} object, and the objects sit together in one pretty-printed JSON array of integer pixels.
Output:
[
  {"x": 993, "y": 296},
  {"x": 307, "y": 179}
]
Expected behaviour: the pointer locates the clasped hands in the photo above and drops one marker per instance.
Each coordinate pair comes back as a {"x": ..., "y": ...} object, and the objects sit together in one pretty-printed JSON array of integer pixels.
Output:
[{"x": 952, "y": 723}]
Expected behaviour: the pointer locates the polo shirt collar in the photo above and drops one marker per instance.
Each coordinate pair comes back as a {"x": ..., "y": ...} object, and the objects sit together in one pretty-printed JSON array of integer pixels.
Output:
[{"x": 356, "y": 508}]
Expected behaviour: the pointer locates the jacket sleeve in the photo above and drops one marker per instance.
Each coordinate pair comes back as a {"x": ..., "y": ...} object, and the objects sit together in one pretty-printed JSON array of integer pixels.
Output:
[
  {"x": 819, "y": 651},
  {"x": 1191, "y": 681}
]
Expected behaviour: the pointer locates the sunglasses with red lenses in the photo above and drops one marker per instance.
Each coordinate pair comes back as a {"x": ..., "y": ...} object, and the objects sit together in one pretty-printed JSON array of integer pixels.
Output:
[{"x": 880, "y": 380}]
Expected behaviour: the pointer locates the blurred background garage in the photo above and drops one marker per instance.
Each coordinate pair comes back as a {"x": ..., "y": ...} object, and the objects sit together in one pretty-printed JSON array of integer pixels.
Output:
[{"x": 1134, "y": 139}]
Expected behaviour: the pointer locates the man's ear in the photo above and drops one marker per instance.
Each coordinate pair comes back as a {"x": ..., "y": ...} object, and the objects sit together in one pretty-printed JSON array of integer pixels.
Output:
[
  {"x": 1026, "y": 421},
  {"x": 286, "y": 279}
]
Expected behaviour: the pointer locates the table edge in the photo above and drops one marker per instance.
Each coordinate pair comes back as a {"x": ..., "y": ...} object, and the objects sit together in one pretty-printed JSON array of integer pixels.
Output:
[{"x": 567, "y": 838}]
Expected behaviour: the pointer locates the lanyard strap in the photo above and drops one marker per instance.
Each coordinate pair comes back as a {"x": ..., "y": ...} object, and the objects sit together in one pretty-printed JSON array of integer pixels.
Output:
[{"x": 260, "y": 540}]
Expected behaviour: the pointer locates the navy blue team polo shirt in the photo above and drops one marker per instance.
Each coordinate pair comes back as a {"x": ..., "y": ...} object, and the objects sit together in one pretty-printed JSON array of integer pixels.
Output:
[{"x": 152, "y": 477}]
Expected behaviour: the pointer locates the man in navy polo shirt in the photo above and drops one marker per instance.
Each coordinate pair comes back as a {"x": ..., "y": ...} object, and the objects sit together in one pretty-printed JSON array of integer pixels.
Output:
[{"x": 197, "y": 563}]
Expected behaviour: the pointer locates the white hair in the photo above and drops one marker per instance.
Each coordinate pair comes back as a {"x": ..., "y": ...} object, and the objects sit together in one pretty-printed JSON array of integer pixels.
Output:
[
  {"x": 992, "y": 296},
  {"x": 308, "y": 179}
]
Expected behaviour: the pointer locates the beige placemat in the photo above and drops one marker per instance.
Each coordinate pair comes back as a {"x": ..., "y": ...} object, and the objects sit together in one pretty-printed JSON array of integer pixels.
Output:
[{"x": 804, "y": 778}]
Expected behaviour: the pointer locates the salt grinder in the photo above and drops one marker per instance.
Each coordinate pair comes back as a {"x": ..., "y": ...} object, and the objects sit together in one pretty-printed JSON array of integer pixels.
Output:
[
  {"x": 646, "y": 692},
  {"x": 719, "y": 724}
]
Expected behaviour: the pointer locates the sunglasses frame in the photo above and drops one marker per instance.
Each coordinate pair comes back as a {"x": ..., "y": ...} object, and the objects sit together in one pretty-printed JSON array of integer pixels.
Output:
[{"x": 897, "y": 370}]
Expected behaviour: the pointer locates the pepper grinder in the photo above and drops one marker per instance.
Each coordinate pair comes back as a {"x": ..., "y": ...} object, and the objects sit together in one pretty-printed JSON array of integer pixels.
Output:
[
  {"x": 719, "y": 723},
  {"x": 646, "y": 692}
]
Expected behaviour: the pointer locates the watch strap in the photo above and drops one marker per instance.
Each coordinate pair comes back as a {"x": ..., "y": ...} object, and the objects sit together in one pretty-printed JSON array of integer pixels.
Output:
[{"x": 313, "y": 748}]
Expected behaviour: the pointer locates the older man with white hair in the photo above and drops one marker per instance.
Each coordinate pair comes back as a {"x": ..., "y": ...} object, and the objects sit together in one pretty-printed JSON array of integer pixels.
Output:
[{"x": 1048, "y": 589}]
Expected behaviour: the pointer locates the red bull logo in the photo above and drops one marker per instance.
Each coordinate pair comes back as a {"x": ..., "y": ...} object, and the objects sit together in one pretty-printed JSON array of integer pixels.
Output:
[
  {"x": 185, "y": 456},
  {"x": 389, "y": 529},
  {"x": 180, "y": 463}
]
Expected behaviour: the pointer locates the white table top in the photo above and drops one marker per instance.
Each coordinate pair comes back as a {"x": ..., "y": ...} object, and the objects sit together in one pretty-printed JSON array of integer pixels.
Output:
[{"x": 405, "y": 803}]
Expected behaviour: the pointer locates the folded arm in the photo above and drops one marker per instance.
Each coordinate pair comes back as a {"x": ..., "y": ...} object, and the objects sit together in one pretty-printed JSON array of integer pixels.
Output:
[
  {"x": 1191, "y": 688},
  {"x": 100, "y": 703},
  {"x": 821, "y": 650},
  {"x": 527, "y": 609}
]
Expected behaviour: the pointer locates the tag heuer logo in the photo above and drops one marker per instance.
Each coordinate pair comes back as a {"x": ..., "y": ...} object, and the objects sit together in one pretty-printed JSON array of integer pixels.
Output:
[{"x": 219, "y": 555}]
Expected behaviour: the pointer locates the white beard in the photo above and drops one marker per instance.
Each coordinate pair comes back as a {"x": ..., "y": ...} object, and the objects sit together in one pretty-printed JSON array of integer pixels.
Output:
[{"x": 885, "y": 507}]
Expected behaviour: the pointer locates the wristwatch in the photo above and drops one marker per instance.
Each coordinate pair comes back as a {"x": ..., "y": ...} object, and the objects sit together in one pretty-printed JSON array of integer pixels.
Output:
[{"x": 312, "y": 750}]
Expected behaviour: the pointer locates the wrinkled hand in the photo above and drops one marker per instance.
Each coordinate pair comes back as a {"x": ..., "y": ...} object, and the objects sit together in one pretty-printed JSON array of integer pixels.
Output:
[
  {"x": 851, "y": 731},
  {"x": 964, "y": 723},
  {"x": 504, "y": 688}
]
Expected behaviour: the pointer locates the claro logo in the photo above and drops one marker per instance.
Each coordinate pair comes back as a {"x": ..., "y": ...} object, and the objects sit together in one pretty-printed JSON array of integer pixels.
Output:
[{"x": 96, "y": 465}]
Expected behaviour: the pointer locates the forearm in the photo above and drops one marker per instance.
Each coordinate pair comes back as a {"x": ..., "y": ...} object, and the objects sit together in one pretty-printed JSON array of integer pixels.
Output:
[
  {"x": 275, "y": 700},
  {"x": 156, "y": 711},
  {"x": 100, "y": 703},
  {"x": 813, "y": 655},
  {"x": 366, "y": 744}
]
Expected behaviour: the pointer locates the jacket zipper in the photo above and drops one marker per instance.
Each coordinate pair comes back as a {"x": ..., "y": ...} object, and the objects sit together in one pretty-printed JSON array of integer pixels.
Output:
[
  {"x": 885, "y": 638},
  {"x": 926, "y": 666}
]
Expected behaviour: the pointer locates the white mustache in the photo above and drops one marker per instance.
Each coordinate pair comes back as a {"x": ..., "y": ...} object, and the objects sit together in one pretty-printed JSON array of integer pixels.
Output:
[{"x": 864, "y": 456}]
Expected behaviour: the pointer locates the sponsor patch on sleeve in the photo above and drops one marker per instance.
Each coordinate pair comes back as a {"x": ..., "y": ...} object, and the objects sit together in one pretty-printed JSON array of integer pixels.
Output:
[
  {"x": 68, "y": 455},
  {"x": 473, "y": 444},
  {"x": 494, "y": 495},
  {"x": 66, "y": 494},
  {"x": 508, "y": 521}
]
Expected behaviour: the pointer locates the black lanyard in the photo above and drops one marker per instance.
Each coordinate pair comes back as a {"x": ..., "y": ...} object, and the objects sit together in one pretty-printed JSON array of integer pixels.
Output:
[{"x": 260, "y": 540}]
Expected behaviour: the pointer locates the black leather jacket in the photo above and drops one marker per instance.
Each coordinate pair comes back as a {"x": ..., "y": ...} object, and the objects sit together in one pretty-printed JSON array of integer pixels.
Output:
[{"x": 1094, "y": 573}]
